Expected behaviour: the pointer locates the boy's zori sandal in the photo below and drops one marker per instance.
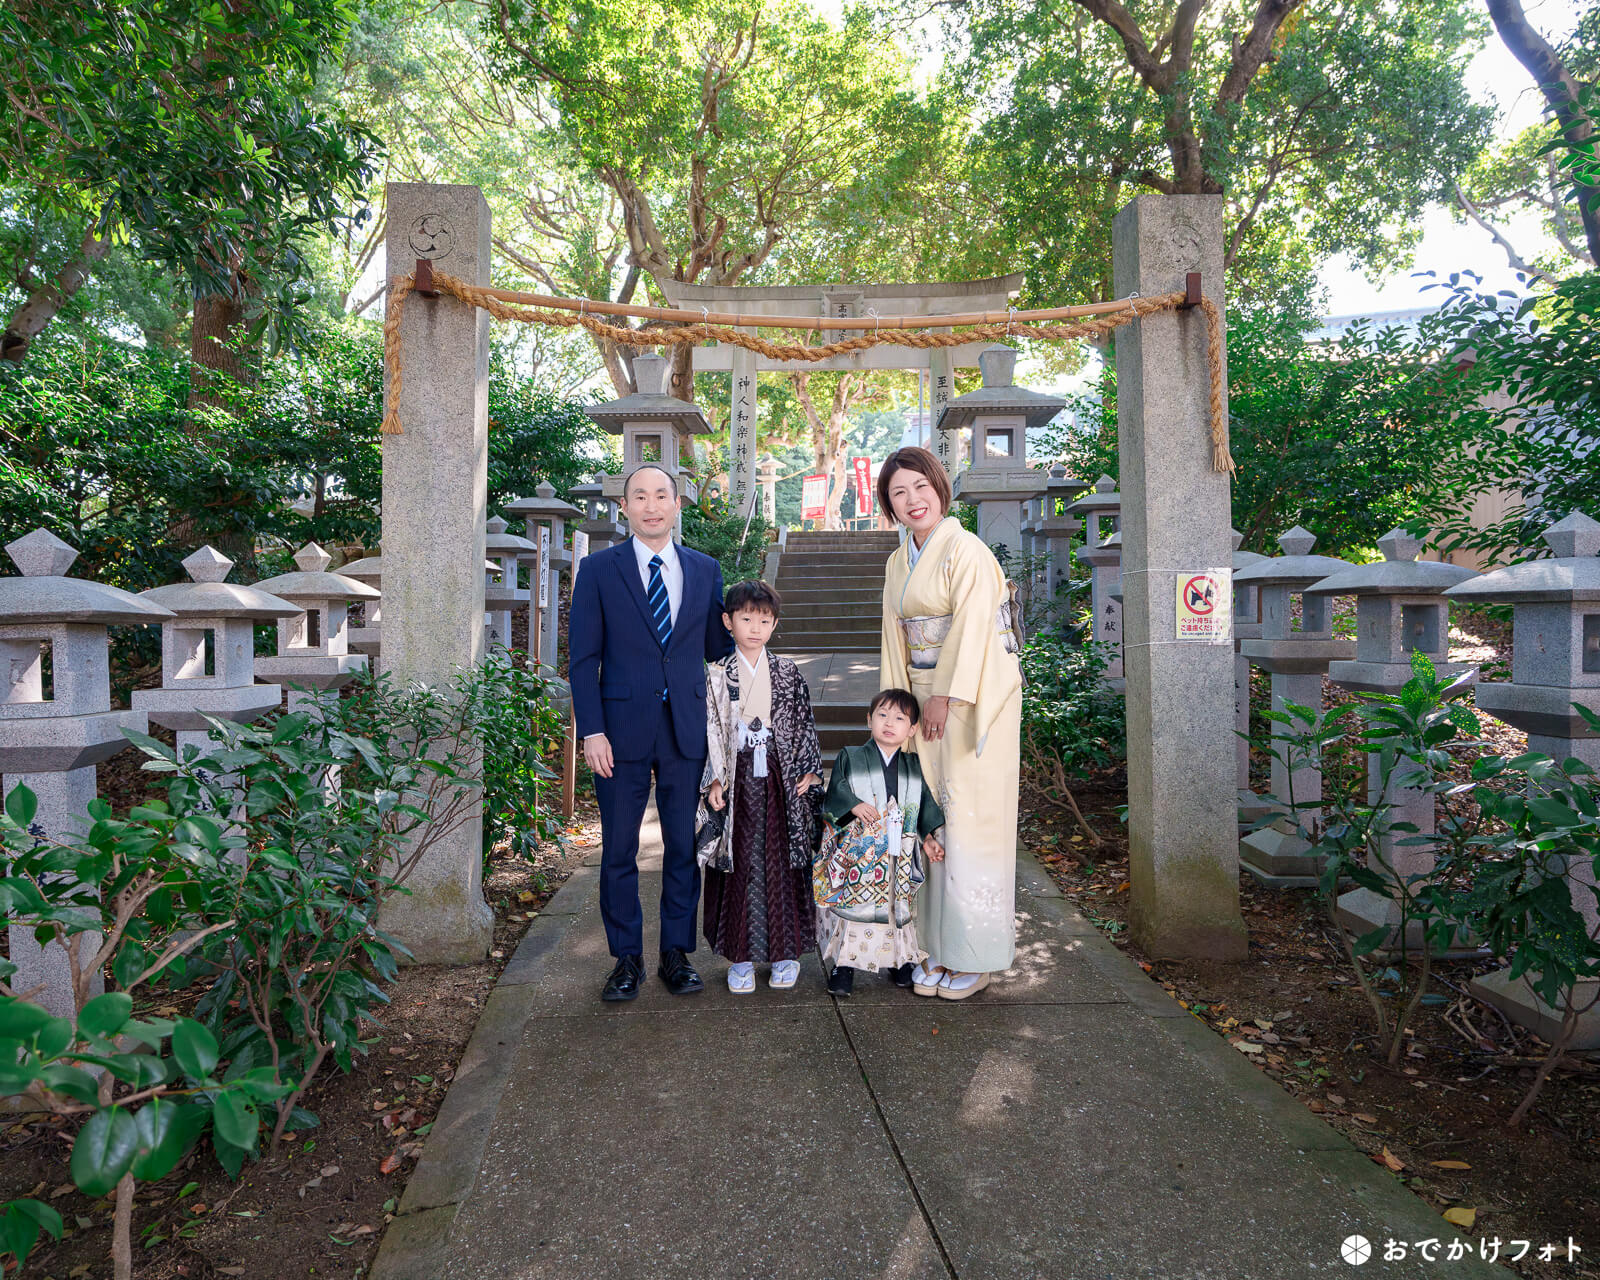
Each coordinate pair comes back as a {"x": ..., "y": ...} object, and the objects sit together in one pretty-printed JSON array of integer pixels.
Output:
[
  {"x": 785, "y": 973},
  {"x": 742, "y": 978}
]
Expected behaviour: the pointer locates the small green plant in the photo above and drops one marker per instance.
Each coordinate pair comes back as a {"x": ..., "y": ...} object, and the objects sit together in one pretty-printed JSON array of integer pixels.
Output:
[
  {"x": 1072, "y": 724},
  {"x": 1500, "y": 867}
]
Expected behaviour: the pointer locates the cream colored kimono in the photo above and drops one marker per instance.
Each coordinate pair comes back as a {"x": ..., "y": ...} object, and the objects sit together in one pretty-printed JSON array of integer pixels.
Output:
[{"x": 942, "y": 635}]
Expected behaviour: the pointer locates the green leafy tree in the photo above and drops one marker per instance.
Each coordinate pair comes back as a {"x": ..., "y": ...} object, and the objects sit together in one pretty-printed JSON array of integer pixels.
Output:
[
  {"x": 721, "y": 129},
  {"x": 1327, "y": 127},
  {"x": 181, "y": 128}
]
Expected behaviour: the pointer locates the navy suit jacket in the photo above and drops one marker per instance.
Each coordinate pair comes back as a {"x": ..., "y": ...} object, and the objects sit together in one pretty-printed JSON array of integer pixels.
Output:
[{"x": 616, "y": 665}]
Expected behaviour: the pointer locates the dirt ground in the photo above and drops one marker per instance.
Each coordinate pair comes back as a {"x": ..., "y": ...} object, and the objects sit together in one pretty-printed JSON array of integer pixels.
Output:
[{"x": 318, "y": 1207}]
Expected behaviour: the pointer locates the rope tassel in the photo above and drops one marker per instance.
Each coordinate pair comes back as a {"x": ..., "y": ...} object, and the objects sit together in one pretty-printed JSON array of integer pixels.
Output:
[{"x": 1102, "y": 320}]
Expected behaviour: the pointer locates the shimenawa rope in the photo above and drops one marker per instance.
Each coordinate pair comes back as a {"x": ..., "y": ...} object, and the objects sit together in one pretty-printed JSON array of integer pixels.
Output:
[{"x": 655, "y": 335}]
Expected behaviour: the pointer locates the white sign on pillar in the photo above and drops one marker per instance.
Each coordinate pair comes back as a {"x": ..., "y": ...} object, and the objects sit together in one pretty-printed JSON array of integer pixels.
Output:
[
  {"x": 580, "y": 548},
  {"x": 545, "y": 572},
  {"x": 941, "y": 390},
  {"x": 742, "y": 433}
]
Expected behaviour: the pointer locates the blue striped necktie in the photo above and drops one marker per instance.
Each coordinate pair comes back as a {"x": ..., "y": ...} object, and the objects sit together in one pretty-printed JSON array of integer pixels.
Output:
[{"x": 660, "y": 607}]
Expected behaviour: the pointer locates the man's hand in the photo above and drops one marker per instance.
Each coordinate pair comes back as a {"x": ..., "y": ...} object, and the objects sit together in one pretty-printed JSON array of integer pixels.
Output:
[
  {"x": 933, "y": 849},
  {"x": 866, "y": 812},
  {"x": 597, "y": 754},
  {"x": 934, "y": 713},
  {"x": 806, "y": 783},
  {"x": 716, "y": 797}
]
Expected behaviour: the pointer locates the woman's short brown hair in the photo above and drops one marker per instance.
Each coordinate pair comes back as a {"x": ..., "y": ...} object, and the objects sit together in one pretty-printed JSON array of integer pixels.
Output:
[{"x": 913, "y": 458}]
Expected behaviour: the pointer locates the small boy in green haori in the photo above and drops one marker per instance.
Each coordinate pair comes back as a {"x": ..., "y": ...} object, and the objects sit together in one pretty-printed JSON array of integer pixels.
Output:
[{"x": 881, "y": 817}]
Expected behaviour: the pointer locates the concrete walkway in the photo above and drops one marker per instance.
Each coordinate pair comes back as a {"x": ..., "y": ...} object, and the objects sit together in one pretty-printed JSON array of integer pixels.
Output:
[{"x": 1071, "y": 1122}]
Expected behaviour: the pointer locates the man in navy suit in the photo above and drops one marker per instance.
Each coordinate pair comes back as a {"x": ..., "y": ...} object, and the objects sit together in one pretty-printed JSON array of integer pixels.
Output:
[{"x": 646, "y": 617}]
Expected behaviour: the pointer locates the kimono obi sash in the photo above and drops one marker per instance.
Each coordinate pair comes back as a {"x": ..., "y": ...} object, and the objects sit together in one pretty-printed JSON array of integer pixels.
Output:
[{"x": 925, "y": 634}]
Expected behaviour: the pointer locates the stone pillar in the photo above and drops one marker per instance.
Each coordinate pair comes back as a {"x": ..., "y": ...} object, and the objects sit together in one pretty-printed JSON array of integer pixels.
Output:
[
  {"x": 435, "y": 483},
  {"x": 767, "y": 478},
  {"x": 742, "y": 433},
  {"x": 1246, "y": 626},
  {"x": 942, "y": 390},
  {"x": 1182, "y": 833},
  {"x": 1105, "y": 603}
]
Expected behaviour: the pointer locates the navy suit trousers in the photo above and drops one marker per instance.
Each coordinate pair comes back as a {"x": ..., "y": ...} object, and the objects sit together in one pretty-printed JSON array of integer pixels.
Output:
[{"x": 623, "y": 797}]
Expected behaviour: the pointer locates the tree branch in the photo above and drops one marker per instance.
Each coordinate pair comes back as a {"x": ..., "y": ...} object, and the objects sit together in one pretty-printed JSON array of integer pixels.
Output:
[{"x": 1512, "y": 256}]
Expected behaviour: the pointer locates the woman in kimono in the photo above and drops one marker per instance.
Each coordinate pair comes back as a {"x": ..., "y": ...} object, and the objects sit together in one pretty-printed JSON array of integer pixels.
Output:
[
  {"x": 947, "y": 636},
  {"x": 762, "y": 782}
]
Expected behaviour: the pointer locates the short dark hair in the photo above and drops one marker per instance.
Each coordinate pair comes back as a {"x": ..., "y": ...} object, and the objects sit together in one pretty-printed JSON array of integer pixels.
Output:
[
  {"x": 900, "y": 699},
  {"x": 914, "y": 458},
  {"x": 754, "y": 595},
  {"x": 627, "y": 480}
]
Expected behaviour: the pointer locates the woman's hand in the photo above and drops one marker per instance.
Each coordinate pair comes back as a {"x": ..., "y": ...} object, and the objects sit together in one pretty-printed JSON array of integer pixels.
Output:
[
  {"x": 933, "y": 849},
  {"x": 716, "y": 797},
  {"x": 806, "y": 783},
  {"x": 935, "y": 711},
  {"x": 866, "y": 812}
]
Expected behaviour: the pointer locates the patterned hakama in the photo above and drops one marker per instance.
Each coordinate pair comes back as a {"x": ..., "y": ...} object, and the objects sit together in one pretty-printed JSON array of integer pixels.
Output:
[{"x": 760, "y": 911}]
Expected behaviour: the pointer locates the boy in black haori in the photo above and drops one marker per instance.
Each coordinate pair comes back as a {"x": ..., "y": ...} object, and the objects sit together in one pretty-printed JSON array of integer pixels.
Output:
[{"x": 762, "y": 779}]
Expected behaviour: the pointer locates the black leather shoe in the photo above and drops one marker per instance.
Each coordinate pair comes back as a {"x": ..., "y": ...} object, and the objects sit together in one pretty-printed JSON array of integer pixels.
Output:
[
  {"x": 622, "y": 983},
  {"x": 678, "y": 973},
  {"x": 842, "y": 981},
  {"x": 901, "y": 977}
]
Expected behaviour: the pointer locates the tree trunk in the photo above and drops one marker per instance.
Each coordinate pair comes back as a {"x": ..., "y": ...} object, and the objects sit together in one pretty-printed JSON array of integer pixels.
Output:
[
  {"x": 216, "y": 364},
  {"x": 29, "y": 320},
  {"x": 1560, "y": 89}
]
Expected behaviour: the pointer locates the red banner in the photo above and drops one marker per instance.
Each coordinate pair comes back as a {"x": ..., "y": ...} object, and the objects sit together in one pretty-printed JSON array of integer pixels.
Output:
[
  {"x": 814, "y": 497},
  {"x": 863, "y": 468}
]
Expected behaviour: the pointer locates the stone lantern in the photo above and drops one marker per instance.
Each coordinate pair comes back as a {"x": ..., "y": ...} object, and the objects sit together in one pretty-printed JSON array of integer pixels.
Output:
[
  {"x": 1057, "y": 527},
  {"x": 653, "y": 426},
  {"x": 544, "y": 508},
  {"x": 56, "y": 721},
  {"x": 208, "y": 655},
  {"x": 767, "y": 477},
  {"x": 1246, "y": 626},
  {"x": 1297, "y": 657},
  {"x": 501, "y": 594},
  {"x": 1105, "y": 599},
  {"x": 314, "y": 644},
  {"x": 368, "y": 637},
  {"x": 998, "y": 479},
  {"x": 1400, "y": 610},
  {"x": 600, "y": 522},
  {"x": 1555, "y": 662}
]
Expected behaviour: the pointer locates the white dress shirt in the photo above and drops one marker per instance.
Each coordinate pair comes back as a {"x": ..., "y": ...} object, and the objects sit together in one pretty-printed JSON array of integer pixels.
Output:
[{"x": 671, "y": 573}]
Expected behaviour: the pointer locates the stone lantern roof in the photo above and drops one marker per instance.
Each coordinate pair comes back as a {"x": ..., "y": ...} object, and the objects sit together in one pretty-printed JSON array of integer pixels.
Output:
[
  {"x": 1400, "y": 573},
  {"x": 1103, "y": 497},
  {"x": 999, "y": 396},
  {"x": 209, "y": 596},
  {"x": 1296, "y": 568},
  {"x": 650, "y": 403},
  {"x": 43, "y": 593},
  {"x": 1573, "y": 575},
  {"x": 1244, "y": 559},
  {"x": 544, "y": 505},
  {"x": 497, "y": 540},
  {"x": 312, "y": 581}
]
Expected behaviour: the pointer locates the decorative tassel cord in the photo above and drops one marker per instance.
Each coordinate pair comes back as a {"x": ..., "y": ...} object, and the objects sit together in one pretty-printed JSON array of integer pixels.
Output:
[{"x": 494, "y": 301}]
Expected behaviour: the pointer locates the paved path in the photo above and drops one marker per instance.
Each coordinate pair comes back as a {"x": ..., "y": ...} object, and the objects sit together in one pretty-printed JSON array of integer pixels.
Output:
[{"x": 1071, "y": 1122}]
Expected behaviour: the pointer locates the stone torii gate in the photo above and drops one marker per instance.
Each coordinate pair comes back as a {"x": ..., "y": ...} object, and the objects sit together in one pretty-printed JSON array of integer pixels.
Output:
[
  {"x": 1181, "y": 767},
  {"x": 869, "y": 303}
]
